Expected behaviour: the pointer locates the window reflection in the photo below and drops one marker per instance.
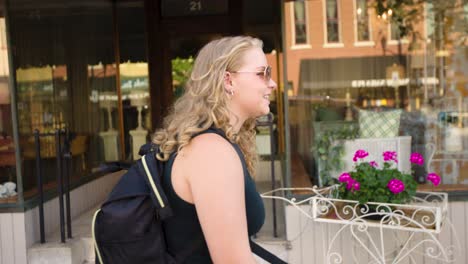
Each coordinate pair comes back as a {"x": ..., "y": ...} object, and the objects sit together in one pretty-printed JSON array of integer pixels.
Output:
[
  {"x": 331, "y": 10},
  {"x": 39, "y": 100},
  {"x": 134, "y": 80},
  {"x": 395, "y": 33},
  {"x": 362, "y": 20},
  {"x": 300, "y": 23},
  {"x": 64, "y": 63},
  {"x": 135, "y": 95},
  {"x": 104, "y": 97},
  {"x": 419, "y": 84},
  {"x": 181, "y": 69},
  {"x": 7, "y": 148}
]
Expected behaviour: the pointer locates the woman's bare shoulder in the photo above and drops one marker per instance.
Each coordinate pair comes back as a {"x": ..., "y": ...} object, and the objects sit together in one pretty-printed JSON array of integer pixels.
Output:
[
  {"x": 208, "y": 145},
  {"x": 208, "y": 155}
]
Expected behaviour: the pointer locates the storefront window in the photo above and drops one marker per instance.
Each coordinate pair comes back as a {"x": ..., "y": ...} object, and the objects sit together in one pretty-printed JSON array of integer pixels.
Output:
[
  {"x": 411, "y": 95},
  {"x": 7, "y": 148},
  {"x": 65, "y": 78}
]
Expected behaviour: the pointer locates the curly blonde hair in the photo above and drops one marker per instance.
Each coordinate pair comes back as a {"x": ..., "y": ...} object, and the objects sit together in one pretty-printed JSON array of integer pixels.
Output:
[{"x": 205, "y": 100}]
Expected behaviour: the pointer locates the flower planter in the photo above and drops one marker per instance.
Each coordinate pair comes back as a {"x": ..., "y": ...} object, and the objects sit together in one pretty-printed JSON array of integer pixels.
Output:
[{"x": 426, "y": 212}]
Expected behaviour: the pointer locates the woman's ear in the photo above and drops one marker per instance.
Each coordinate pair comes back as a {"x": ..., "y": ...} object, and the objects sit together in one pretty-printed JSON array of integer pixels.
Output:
[{"x": 228, "y": 81}]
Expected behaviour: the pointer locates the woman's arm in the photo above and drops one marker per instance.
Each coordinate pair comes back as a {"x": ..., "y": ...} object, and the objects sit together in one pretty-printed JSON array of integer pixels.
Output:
[{"x": 216, "y": 181}]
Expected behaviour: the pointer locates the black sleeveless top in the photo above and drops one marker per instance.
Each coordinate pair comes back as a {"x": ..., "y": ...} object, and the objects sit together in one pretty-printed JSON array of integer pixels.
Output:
[{"x": 184, "y": 229}]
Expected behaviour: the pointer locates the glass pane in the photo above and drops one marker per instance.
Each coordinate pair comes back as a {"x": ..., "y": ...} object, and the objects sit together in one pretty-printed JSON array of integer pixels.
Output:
[
  {"x": 301, "y": 37},
  {"x": 332, "y": 21},
  {"x": 65, "y": 78},
  {"x": 418, "y": 86},
  {"x": 362, "y": 19},
  {"x": 332, "y": 32},
  {"x": 300, "y": 22},
  {"x": 332, "y": 10},
  {"x": 7, "y": 148},
  {"x": 182, "y": 53},
  {"x": 181, "y": 69},
  {"x": 134, "y": 82},
  {"x": 395, "y": 31},
  {"x": 445, "y": 98}
]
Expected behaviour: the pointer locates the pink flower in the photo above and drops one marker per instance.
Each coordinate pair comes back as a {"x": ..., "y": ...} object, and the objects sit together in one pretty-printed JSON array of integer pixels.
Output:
[
  {"x": 350, "y": 183},
  {"x": 344, "y": 177},
  {"x": 434, "y": 178},
  {"x": 396, "y": 186},
  {"x": 356, "y": 186},
  {"x": 353, "y": 185},
  {"x": 360, "y": 154},
  {"x": 373, "y": 164},
  {"x": 390, "y": 155},
  {"x": 417, "y": 158}
]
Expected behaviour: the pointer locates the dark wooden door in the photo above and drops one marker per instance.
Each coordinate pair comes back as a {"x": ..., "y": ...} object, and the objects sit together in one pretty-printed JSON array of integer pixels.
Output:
[{"x": 180, "y": 36}]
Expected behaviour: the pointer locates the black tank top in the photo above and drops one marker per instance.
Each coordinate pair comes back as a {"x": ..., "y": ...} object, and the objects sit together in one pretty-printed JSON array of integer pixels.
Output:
[{"x": 184, "y": 229}]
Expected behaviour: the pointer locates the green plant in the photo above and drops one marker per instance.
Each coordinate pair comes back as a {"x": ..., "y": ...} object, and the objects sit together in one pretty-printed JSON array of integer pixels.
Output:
[
  {"x": 369, "y": 182},
  {"x": 330, "y": 151},
  {"x": 406, "y": 14},
  {"x": 181, "y": 69}
]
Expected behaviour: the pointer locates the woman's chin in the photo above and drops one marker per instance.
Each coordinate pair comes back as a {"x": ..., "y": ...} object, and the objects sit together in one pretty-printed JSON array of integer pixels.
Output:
[{"x": 264, "y": 111}]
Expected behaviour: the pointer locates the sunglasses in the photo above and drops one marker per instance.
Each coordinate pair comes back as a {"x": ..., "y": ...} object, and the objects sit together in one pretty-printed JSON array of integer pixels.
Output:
[{"x": 266, "y": 73}]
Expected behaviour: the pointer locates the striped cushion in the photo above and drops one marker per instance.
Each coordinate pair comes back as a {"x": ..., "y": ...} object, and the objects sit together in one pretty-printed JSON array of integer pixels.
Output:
[{"x": 379, "y": 124}]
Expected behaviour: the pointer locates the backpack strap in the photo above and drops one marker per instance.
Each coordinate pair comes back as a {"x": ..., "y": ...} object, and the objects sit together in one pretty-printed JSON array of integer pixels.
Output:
[
  {"x": 93, "y": 230},
  {"x": 265, "y": 254},
  {"x": 152, "y": 168}
]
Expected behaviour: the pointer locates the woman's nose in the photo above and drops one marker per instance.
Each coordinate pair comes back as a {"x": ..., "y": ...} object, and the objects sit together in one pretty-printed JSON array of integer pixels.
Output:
[{"x": 272, "y": 84}]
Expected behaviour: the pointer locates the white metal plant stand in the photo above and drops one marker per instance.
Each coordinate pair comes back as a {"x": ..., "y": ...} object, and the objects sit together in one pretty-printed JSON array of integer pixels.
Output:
[{"x": 387, "y": 233}]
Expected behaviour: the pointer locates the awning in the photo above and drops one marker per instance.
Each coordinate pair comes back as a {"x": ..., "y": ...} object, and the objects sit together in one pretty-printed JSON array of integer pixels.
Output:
[{"x": 346, "y": 72}]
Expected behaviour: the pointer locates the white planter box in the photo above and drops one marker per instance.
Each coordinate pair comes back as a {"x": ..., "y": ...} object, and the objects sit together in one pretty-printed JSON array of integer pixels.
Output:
[
  {"x": 425, "y": 213},
  {"x": 422, "y": 231},
  {"x": 311, "y": 241}
]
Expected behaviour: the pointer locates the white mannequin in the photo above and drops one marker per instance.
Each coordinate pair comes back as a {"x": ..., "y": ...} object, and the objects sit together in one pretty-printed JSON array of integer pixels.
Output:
[
  {"x": 108, "y": 101},
  {"x": 139, "y": 100}
]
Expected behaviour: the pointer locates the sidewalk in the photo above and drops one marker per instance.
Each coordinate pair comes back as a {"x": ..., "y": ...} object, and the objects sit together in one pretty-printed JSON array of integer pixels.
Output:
[{"x": 78, "y": 250}]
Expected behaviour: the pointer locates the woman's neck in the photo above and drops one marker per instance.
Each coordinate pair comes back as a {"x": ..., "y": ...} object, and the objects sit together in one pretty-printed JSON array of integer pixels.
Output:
[{"x": 236, "y": 122}]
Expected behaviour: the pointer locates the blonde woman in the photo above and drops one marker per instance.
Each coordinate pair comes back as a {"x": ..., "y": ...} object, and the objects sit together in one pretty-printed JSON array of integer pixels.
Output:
[{"x": 208, "y": 141}]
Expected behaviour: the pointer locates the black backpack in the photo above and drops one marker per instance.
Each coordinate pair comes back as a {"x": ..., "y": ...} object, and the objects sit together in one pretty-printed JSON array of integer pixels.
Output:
[{"x": 128, "y": 227}]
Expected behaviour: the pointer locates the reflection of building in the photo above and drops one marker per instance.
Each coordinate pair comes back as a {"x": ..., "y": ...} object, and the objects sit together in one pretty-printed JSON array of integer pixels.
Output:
[
  {"x": 342, "y": 51},
  {"x": 347, "y": 72},
  {"x": 337, "y": 30}
]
